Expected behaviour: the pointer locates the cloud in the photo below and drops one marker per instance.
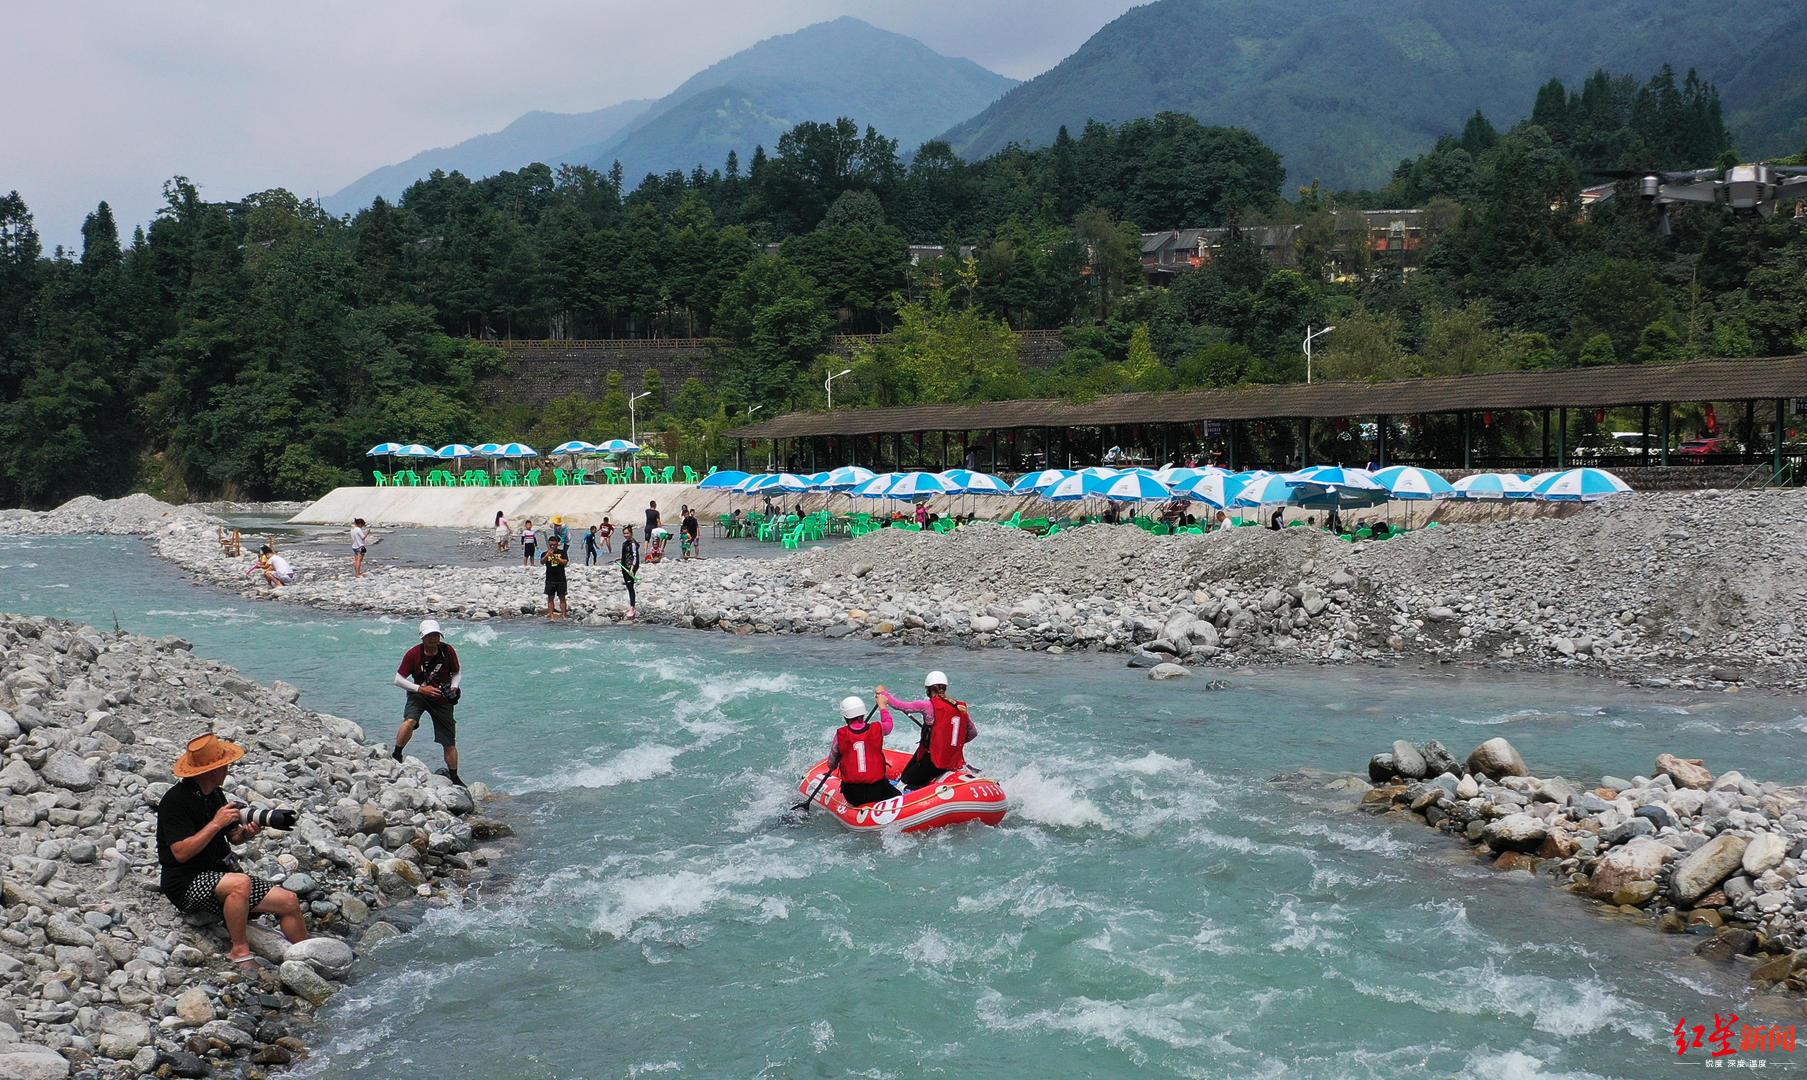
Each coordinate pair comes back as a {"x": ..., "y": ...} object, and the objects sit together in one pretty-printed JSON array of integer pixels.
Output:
[{"x": 110, "y": 98}]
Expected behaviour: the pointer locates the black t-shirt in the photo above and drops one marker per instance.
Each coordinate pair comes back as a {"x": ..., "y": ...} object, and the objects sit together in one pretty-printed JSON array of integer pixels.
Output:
[
  {"x": 183, "y": 812},
  {"x": 555, "y": 567},
  {"x": 652, "y": 522}
]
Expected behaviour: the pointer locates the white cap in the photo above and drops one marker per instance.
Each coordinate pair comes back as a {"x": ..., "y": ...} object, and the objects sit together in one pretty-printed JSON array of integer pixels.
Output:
[
  {"x": 429, "y": 626},
  {"x": 852, "y": 708},
  {"x": 935, "y": 678}
]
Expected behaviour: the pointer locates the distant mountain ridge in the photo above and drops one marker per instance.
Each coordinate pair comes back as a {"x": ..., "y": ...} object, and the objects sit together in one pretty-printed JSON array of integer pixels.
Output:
[
  {"x": 1345, "y": 90},
  {"x": 554, "y": 138},
  {"x": 844, "y": 67}
]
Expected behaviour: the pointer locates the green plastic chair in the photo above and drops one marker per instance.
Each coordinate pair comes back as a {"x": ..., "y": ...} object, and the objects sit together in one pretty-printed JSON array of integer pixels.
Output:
[
  {"x": 381, "y": 480},
  {"x": 690, "y": 476},
  {"x": 560, "y": 478},
  {"x": 669, "y": 473},
  {"x": 647, "y": 472},
  {"x": 793, "y": 539},
  {"x": 509, "y": 478}
]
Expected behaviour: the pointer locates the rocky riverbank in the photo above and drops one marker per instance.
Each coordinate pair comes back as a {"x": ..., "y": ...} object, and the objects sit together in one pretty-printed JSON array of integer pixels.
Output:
[
  {"x": 1694, "y": 589},
  {"x": 103, "y": 977},
  {"x": 1723, "y": 857}
]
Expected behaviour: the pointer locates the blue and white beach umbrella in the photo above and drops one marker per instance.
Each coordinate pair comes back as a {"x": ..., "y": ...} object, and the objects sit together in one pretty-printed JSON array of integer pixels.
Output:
[
  {"x": 1030, "y": 483},
  {"x": 1492, "y": 486},
  {"x": 487, "y": 449},
  {"x": 847, "y": 477},
  {"x": 618, "y": 446},
  {"x": 782, "y": 482},
  {"x": 388, "y": 449},
  {"x": 575, "y": 446},
  {"x": 1135, "y": 487},
  {"x": 1104, "y": 471},
  {"x": 1215, "y": 488},
  {"x": 918, "y": 485},
  {"x": 974, "y": 482},
  {"x": 875, "y": 487},
  {"x": 1274, "y": 490},
  {"x": 817, "y": 481},
  {"x": 1580, "y": 485},
  {"x": 415, "y": 449},
  {"x": 1336, "y": 476},
  {"x": 1076, "y": 487},
  {"x": 1411, "y": 482},
  {"x": 724, "y": 478},
  {"x": 514, "y": 450},
  {"x": 454, "y": 451}
]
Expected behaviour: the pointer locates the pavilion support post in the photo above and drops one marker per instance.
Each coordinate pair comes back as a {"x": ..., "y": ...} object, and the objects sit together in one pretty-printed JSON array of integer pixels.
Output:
[
  {"x": 1544, "y": 457},
  {"x": 1562, "y": 438},
  {"x": 1231, "y": 430},
  {"x": 1304, "y": 441},
  {"x": 1047, "y": 448},
  {"x": 1780, "y": 405},
  {"x": 994, "y": 451},
  {"x": 1644, "y": 436},
  {"x": 1380, "y": 432},
  {"x": 740, "y": 454},
  {"x": 1750, "y": 430},
  {"x": 1166, "y": 443},
  {"x": 1467, "y": 439},
  {"x": 1665, "y": 434}
]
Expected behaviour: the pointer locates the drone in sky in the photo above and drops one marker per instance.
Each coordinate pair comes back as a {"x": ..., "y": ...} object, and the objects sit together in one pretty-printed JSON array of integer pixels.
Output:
[{"x": 1755, "y": 188}]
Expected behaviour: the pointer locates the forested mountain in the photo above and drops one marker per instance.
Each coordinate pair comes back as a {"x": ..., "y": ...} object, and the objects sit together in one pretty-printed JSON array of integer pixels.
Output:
[
  {"x": 554, "y": 138},
  {"x": 1345, "y": 90},
  {"x": 841, "y": 68}
]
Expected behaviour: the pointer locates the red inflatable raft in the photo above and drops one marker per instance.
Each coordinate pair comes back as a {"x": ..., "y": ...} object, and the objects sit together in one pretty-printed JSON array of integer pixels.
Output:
[{"x": 959, "y": 797}]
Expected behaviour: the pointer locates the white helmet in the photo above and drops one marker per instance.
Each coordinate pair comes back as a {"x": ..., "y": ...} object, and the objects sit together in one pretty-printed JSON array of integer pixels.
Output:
[
  {"x": 935, "y": 678},
  {"x": 852, "y": 708}
]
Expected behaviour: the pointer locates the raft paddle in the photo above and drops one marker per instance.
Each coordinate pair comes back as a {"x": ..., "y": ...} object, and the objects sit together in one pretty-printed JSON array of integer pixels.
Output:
[{"x": 820, "y": 784}]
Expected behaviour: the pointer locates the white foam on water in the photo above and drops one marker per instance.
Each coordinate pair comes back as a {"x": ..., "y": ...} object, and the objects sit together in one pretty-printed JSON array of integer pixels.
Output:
[
  {"x": 479, "y": 635},
  {"x": 210, "y": 614},
  {"x": 1697, "y": 724},
  {"x": 1555, "y": 1007},
  {"x": 650, "y": 1068},
  {"x": 1051, "y": 800},
  {"x": 1362, "y": 840},
  {"x": 627, "y": 901},
  {"x": 643, "y": 762},
  {"x": 1307, "y": 931},
  {"x": 1119, "y": 1024},
  {"x": 1517, "y": 1065},
  {"x": 1155, "y": 762},
  {"x": 400, "y": 995},
  {"x": 821, "y": 1035},
  {"x": 1211, "y": 939}
]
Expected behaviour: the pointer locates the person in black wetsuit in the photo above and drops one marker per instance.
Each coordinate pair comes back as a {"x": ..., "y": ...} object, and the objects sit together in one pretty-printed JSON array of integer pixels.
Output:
[{"x": 630, "y": 568}]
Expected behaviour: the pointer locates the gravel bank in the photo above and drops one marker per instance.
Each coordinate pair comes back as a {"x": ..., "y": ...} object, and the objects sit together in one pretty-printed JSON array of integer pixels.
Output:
[
  {"x": 1695, "y": 589},
  {"x": 1723, "y": 857},
  {"x": 103, "y": 977}
]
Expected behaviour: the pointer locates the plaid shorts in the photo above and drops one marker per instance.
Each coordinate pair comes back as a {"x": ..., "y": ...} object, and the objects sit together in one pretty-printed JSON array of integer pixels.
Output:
[{"x": 203, "y": 894}]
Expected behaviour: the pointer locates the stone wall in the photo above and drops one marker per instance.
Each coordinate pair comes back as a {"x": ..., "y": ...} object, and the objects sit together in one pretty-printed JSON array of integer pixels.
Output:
[
  {"x": 1672, "y": 477},
  {"x": 541, "y": 372}
]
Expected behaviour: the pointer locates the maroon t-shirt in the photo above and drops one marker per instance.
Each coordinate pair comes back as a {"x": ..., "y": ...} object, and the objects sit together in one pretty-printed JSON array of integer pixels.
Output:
[{"x": 422, "y": 670}]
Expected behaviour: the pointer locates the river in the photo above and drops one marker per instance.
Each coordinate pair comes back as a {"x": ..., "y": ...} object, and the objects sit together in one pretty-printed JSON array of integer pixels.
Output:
[{"x": 1151, "y": 906}]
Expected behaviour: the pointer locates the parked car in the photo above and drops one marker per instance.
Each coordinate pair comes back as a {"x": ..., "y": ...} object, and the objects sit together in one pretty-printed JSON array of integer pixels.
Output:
[{"x": 1713, "y": 444}]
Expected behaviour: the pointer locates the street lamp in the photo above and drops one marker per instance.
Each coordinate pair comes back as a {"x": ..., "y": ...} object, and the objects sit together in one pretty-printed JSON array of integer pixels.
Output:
[
  {"x": 828, "y": 385},
  {"x": 1311, "y": 336},
  {"x": 633, "y": 423}
]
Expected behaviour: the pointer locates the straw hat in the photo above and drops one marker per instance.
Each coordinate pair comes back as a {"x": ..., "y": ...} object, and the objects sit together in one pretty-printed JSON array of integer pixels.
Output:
[
  {"x": 206, "y": 753},
  {"x": 558, "y": 519}
]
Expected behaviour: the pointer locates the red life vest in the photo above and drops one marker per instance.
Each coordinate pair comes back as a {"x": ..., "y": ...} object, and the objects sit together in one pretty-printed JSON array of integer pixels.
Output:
[
  {"x": 948, "y": 733},
  {"x": 861, "y": 753}
]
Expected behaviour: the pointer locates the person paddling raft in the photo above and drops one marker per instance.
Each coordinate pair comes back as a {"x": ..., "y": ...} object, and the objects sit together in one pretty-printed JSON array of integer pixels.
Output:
[
  {"x": 857, "y": 754},
  {"x": 944, "y": 737}
]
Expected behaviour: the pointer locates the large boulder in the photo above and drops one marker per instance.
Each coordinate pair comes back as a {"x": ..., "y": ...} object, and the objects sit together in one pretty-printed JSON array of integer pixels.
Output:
[
  {"x": 1686, "y": 772},
  {"x": 1515, "y": 832},
  {"x": 303, "y": 981},
  {"x": 329, "y": 956},
  {"x": 1438, "y": 760},
  {"x": 1765, "y": 851},
  {"x": 122, "y": 1035},
  {"x": 1707, "y": 866},
  {"x": 1380, "y": 768},
  {"x": 24, "y": 1061},
  {"x": 1407, "y": 761},
  {"x": 1496, "y": 758},
  {"x": 65, "y": 770},
  {"x": 1640, "y": 860}
]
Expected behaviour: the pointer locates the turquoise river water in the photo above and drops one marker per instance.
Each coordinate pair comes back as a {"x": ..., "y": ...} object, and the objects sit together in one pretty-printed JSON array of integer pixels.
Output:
[{"x": 1151, "y": 907}]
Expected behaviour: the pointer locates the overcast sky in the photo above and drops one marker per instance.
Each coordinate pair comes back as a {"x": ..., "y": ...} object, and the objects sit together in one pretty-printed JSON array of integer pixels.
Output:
[{"x": 106, "y": 99}]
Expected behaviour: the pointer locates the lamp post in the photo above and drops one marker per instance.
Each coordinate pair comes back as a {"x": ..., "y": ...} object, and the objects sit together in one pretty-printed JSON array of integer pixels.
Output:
[
  {"x": 1311, "y": 336},
  {"x": 633, "y": 422},
  {"x": 828, "y": 385}
]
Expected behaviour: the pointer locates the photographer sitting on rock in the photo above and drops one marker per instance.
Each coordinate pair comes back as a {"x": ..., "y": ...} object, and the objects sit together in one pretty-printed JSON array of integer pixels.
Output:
[{"x": 195, "y": 828}]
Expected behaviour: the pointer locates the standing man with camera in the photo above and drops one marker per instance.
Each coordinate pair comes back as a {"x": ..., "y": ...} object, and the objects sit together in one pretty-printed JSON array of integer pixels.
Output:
[
  {"x": 196, "y": 827},
  {"x": 430, "y": 674}
]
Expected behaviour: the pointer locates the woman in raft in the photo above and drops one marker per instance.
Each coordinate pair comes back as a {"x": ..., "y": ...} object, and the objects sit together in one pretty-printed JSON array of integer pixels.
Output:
[
  {"x": 857, "y": 754},
  {"x": 944, "y": 737}
]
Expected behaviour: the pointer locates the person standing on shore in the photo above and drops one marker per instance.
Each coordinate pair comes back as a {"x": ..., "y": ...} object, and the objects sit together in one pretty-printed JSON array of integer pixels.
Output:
[
  {"x": 630, "y": 569},
  {"x": 503, "y": 533},
  {"x": 590, "y": 547},
  {"x": 530, "y": 540},
  {"x": 559, "y": 537},
  {"x": 692, "y": 532},
  {"x": 605, "y": 531},
  {"x": 652, "y": 519},
  {"x": 431, "y": 675},
  {"x": 944, "y": 736},
  {"x": 555, "y": 561},
  {"x": 360, "y": 543}
]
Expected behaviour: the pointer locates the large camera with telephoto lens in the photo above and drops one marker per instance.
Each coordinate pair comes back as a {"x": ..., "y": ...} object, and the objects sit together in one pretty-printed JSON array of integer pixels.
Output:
[
  {"x": 272, "y": 817},
  {"x": 450, "y": 694}
]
